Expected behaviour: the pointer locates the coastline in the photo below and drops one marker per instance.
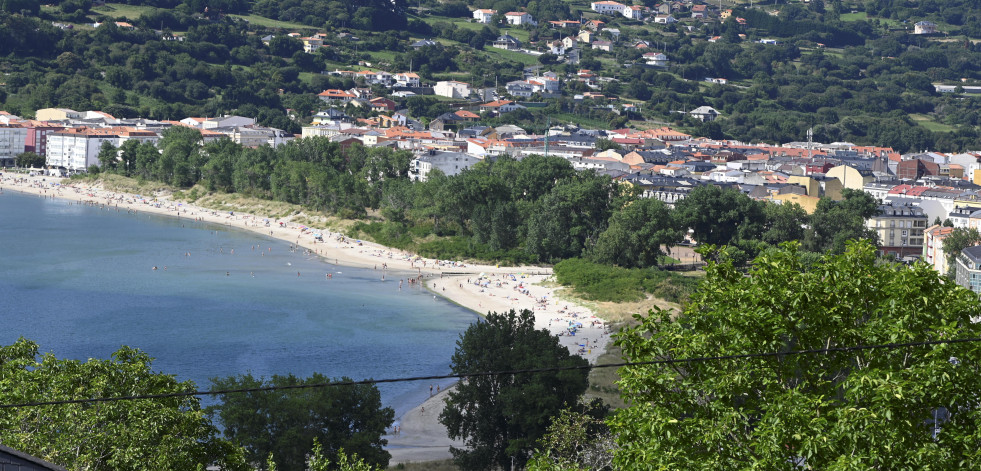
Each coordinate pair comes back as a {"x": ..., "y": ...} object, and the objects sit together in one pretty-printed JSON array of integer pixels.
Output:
[{"x": 480, "y": 288}]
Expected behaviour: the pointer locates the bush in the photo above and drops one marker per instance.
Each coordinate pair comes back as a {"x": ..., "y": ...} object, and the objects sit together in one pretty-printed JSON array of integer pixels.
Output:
[{"x": 599, "y": 282}]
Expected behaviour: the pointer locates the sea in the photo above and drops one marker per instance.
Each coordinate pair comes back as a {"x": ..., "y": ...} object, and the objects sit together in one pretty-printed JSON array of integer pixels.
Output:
[{"x": 79, "y": 281}]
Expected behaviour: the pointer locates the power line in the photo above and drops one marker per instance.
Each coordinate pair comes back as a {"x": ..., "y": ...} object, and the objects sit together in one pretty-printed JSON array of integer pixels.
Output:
[{"x": 885, "y": 346}]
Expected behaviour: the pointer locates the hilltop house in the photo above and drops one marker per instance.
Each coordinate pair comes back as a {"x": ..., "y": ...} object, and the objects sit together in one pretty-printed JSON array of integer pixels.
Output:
[
  {"x": 518, "y": 18},
  {"x": 484, "y": 16},
  {"x": 506, "y": 41},
  {"x": 924, "y": 27}
]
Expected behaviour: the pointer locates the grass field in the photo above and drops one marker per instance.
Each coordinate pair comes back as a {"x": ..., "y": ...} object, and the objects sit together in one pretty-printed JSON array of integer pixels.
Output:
[
  {"x": 117, "y": 10},
  {"x": 520, "y": 57},
  {"x": 271, "y": 23},
  {"x": 929, "y": 124}
]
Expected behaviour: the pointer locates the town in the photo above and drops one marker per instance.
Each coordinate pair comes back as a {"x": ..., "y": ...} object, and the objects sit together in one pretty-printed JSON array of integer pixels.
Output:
[{"x": 923, "y": 195}]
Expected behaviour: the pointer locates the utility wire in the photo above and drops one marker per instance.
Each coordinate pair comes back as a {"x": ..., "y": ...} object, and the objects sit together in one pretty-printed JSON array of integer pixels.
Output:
[{"x": 885, "y": 346}]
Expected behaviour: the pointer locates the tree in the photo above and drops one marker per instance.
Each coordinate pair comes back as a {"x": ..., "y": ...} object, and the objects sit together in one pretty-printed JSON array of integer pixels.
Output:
[
  {"x": 717, "y": 216},
  {"x": 578, "y": 439},
  {"x": 835, "y": 222},
  {"x": 865, "y": 409},
  {"x": 163, "y": 433},
  {"x": 29, "y": 160},
  {"x": 958, "y": 240},
  {"x": 784, "y": 222},
  {"x": 108, "y": 156},
  {"x": 636, "y": 234},
  {"x": 500, "y": 417},
  {"x": 285, "y": 422}
]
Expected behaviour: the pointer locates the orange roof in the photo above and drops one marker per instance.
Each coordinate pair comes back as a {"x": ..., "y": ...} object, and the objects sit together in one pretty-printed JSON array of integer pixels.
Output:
[
  {"x": 497, "y": 103},
  {"x": 335, "y": 93},
  {"x": 467, "y": 114}
]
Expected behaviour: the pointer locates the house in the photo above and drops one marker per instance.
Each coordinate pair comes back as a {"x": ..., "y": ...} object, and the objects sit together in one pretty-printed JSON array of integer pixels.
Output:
[
  {"x": 382, "y": 105},
  {"x": 569, "y": 42},
  {"x": 408, "y": 79},
  {"x": 586, "y": 36},
  {"x": 664, "y": 19},
  {"x": 13, "y": 460},
  {"x": 452, "y": 89},
  {"x": 556, "y": 47},
  {"x": 634, "y": 12},
  {"x": 925, "y": 27},
  {"x": 717, "y": 81},
  {"x": 603, "y": 45},
  {"x": 445, "y": 122},
  {"x": 704, "y": 113},
  {"x": 336, "y": 96},
  {"x": 655, "y": 59},
  {"x": 312, "y": 44},
  {"x": 518, "y": 18},
  {"x": 519, "y": 89},
  {"x": 500, "y": 106},
  {"x": 423, "y": 43},
  {"x": 506, "y": 41},
  {"x": 968, "y": 269},
  {"x": 594, "y": 25},
  {"x": 699, "y": 11},
  {"x": 484, "y": 16},
  {"x": 613, "y": 33},
  {"x": 607, "y": 7},
  {"x": 565, "y": 24}
]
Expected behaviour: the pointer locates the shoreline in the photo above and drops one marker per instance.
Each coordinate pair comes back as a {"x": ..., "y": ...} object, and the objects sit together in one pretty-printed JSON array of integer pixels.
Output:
[{"x": 479, "y": 288}]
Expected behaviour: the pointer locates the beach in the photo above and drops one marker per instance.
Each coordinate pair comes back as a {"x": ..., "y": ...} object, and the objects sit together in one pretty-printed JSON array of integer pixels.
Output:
[{"x": 481, "y": 288}]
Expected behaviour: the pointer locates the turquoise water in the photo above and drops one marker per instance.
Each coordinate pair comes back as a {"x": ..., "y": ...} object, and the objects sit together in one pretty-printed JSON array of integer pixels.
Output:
[{"x": 79, "y": 280}]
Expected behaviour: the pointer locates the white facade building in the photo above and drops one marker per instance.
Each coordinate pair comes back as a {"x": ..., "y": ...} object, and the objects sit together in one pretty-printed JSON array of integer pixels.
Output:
[
  {"x": 452, "y": 89},
  {"x": 518, "y": 18},
  {"x": 607, "y": 7},
  {"x": 484, "y": 16},
  {"x": 13, "y": 140}
]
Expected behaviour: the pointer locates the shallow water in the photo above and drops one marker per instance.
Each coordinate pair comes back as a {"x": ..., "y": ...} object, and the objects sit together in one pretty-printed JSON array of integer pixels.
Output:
[{"x": 79, "y": 280}]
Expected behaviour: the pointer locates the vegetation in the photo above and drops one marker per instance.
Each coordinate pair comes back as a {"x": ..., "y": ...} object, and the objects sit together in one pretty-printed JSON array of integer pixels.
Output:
[
  {"x": 287, "y": 423},
  {"x": 850, "y": 77},
  {"x": 908, "y": 407},
  {"x": 599, "y": 282},
  {"x": 501, "y": 417},
  {"x": 163, "y": 433}
]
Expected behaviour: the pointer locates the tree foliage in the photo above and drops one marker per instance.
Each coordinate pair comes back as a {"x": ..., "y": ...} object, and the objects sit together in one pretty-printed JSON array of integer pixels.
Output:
[
  {"x": 164, "y": 433},
  {"x": 836, "y": 222},
  {"x": 636, "y": 234},
  {"x": 286, "y": 422},
  {"x": 501, "y": 417},
  {"x": 959, "y": 239},
  {"x": 886, "y": 408}
]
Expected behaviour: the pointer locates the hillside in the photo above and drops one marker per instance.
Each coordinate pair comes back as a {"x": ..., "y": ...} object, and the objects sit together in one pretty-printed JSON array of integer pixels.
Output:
[{"x": 849, "y": 71}]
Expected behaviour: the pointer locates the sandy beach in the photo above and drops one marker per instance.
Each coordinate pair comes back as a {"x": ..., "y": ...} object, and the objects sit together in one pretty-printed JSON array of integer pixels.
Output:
[{"x": 481, "y": 288}]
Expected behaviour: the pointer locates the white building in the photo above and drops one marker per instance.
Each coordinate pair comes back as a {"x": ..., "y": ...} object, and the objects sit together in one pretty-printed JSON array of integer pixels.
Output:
[
  {"x": 76, "y": 149},
  {"x": 607, "y": 7},
  {"x": 518, "y": 18},
  {"x": 408, "y": 79},
  {"x": 13, "y": 140},
  {"x": 450, "y": 163},
  {"x": 656, "y": 59},
  {"x": 452, "y": 89},
  {"x": 484, "y": 16},
  {"x": 634, "y": 12}
]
